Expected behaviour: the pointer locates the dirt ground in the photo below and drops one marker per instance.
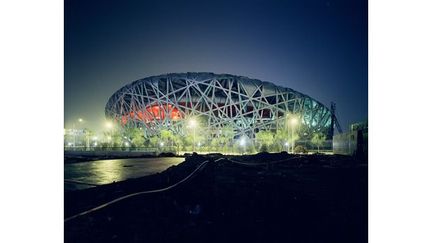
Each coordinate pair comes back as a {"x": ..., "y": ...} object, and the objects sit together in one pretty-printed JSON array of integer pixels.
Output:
[{"x": 257, "y": 198}]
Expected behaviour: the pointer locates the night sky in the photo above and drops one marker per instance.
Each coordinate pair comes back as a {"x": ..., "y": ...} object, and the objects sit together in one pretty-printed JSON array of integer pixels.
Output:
[{"x": 315, "y": 47}]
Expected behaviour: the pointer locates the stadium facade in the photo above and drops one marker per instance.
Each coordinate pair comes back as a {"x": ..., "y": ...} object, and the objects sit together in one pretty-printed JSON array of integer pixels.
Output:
[{"x": 216, "y": 100}]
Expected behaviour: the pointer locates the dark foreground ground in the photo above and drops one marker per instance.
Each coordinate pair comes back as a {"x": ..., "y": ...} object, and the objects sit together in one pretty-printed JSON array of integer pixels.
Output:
[{"x": 315, "y": 198}]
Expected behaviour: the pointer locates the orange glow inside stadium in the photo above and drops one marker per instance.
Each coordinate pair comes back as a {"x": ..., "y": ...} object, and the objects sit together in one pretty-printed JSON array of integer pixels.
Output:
[{"x": 151, "y": 113}]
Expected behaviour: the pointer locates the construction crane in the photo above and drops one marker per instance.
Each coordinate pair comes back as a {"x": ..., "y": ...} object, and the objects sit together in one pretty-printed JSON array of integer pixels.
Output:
[{"x": 334, "y": 121}]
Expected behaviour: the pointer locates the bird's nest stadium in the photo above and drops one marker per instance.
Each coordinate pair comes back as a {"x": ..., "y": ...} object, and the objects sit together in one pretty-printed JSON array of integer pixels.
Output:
[{"x": 216, "y": 100}]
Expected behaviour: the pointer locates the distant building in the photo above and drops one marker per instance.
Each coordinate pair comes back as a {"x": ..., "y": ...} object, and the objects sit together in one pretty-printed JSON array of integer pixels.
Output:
[
  {"x": 74, "y": 137},
  {"x": 354, "y": 142}
]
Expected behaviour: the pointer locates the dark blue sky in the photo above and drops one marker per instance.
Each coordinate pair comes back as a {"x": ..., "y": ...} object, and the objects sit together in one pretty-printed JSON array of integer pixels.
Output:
[{"x": 316, "y": 47}]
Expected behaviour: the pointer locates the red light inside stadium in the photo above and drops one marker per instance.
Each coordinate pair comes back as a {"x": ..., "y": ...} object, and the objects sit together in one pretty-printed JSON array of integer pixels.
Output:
[{"x": 151, "y": 113}]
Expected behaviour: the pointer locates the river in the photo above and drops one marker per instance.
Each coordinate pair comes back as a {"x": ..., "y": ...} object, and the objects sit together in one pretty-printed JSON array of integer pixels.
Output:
[{"x": 83, "y": 175}]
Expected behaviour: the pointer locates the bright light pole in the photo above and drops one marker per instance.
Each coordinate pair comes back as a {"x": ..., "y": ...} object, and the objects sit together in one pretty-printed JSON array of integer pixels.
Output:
[
  {"x": 294, "y": 122},
  {"x": 80, "y": 120},
  {"x": 242, "y": 144},
  {"x": 74, "y": 135},
  {"x": 95, "y": 139},
  {"x": 88, "y": 140},
  {"x": 109, "y": 126}
]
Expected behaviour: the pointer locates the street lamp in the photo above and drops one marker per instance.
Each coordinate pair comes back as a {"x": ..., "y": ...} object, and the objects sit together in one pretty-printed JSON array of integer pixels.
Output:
[
  {"x": 199, "y": 146},
  {"x": 192, "y": 123},
  {"x": 243, "y": 144},
  {"x": 294, "y": 122},
  {"x": 95, "y": 139},
  {"x": 108, "y": 125},
  {"x": 242, "y": 141},
  {"x": 80, "y": 120}
]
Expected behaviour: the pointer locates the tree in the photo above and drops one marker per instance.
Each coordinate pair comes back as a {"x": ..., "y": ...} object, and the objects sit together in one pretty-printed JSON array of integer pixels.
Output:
[
  {"x": 318, "y": 139},
  {"x": 194, "y": 136},
  {"x": 226, "y": 136},
  {"x": 166, "y": 136},
  {"x": 134, "y": 135},
  {"x": 265, "y": 139},
  {"x": 137, "y": 139},
  {"x": 178, "y": 140},
  {"x": 300, "y": 149},
  {"x": 116, "y": 138},
  {"x": 215, "y": 143},
  {"x": 154, "y": 141}
]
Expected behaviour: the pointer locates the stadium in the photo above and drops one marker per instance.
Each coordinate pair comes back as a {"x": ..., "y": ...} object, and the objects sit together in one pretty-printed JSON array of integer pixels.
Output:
[{"x": 215, "y": 101}]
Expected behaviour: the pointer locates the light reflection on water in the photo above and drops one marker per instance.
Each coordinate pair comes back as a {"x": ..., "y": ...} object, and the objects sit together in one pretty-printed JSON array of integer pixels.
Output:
[{"x": 107, "y": 171}]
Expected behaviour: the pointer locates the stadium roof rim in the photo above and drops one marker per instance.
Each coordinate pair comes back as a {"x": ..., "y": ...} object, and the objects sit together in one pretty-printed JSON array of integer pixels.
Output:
[{"x": 189, "y": 74}]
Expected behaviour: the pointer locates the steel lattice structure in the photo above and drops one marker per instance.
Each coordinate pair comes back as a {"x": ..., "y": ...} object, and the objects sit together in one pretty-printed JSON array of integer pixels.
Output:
[{"x": 218, "y": 100}]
